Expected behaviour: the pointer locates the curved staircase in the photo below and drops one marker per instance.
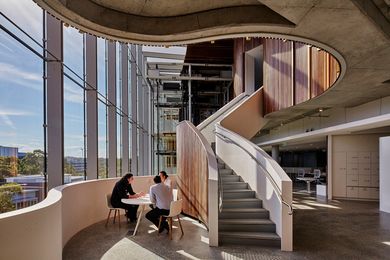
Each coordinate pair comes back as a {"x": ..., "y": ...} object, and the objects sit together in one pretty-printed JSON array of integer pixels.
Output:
[{"x": 243, "y": 220}]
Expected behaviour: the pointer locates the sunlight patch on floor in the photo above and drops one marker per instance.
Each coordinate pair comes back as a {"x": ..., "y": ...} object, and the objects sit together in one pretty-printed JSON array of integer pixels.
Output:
[
  {"x": 128, "y": 249},
  {"x": 386, "y": 243},
  {"x": 189, "y": 256}
]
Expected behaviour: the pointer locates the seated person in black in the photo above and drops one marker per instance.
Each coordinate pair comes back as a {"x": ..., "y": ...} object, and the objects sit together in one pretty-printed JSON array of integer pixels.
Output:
[{"x": 123, "y": 190}]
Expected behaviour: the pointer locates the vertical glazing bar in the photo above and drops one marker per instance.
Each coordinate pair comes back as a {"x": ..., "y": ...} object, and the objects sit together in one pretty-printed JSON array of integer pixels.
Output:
[
  {"x": 55, "y": 102},
  {"x": 111, "y": 96},
  {"x": 125, "y": 109},
  {"x": 140, "y": 111},
  {"x": 134, "y": 145},
  {"x": 92, "y": 116}
]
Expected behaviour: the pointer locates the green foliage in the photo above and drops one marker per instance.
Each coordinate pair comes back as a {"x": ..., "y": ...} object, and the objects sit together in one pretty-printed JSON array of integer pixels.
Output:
[
  {"x": 69, "y": 169},
  {"x": 6, "y": 192},
  {"x": 8, "y": 166},
  {"x": 32, "y": 163}
]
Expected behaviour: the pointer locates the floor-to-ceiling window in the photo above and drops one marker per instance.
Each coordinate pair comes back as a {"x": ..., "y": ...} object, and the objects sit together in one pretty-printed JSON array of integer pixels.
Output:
[
  {"x": 74, "y": 112},
  {"x": 102, "y": 107},
  {"x": 22, "y": 146}
]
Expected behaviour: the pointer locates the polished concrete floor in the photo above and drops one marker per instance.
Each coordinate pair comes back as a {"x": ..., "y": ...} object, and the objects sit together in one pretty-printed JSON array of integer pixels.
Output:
[{"x": 322, "y": 230}]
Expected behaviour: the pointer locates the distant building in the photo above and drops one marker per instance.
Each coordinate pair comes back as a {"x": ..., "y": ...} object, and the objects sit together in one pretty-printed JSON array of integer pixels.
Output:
[{"x": 8, "y": 151}]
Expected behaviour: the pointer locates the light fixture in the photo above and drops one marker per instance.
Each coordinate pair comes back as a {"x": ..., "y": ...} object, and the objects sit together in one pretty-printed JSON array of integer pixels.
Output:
[
  {"x": 320, "y": 110},
  {"x": 248, "y": 38},
  {"x": 212, "y": 42},
  {"x": 284, "y": 40}
]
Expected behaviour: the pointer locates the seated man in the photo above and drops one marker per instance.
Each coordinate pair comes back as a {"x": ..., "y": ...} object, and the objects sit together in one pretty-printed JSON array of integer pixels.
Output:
[
  {"x": 124, "y": 190},
  {"x": 160, "y": 195}
]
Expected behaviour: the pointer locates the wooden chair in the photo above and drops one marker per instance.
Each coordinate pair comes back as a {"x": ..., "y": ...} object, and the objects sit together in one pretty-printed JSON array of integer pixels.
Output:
[
  {"x": 111, "y": 208},
  {"x": 174, "y": 211}
]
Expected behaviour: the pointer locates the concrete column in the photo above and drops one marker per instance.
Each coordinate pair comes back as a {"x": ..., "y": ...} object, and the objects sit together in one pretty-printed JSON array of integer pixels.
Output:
[
  {"x": 125, "y": 109},
  {"x": 134, "y": 143},
  {"x": 384, "y": 176},
  {"x": 91, "y": 96},
  {"x": 111, "y": 120},
  {"x": 55, "y": 102},
  {"x": 275, "y": 153},
  {"x": 140, "y": 111}
]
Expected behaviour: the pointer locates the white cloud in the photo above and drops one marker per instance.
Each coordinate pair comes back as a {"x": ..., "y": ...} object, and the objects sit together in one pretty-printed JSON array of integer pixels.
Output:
[
  {"x": 73, "y": 93},
  {"x": 7, "y": 121},
  {"x": 10, "y": 73},
  {"x": 26, "y": 14}
]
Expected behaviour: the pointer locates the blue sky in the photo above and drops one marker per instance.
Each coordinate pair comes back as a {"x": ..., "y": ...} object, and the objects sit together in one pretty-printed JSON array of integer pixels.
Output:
[{"x": 21, "y": 83}]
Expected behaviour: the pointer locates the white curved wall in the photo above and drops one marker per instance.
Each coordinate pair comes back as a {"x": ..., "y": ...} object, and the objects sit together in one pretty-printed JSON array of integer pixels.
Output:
[{"x": 41, "y": 231}]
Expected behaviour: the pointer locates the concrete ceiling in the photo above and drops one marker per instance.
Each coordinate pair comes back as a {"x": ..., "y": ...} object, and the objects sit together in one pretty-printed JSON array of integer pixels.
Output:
[
  {"x": 356, "y": 32},
  {"x": 166, "y": 8}
]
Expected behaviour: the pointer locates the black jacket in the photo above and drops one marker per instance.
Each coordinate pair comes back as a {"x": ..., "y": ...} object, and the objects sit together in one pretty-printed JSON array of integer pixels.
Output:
[{"x": 120, "y": 191}]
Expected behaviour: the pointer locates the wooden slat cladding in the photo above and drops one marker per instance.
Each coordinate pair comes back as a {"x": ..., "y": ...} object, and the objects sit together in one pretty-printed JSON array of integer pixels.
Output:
[
  {"x": 238, "y": 67},
  {"x": 334, "y": 70},
  {"x": 278, "y": 75},
  {"x": 295, "y": 72},
  {"x": 241, "y": 45},
  {"x": 319, "y": 72},
  {"x": 301, "y": 72},
  {"x": 192, "y": 173}
]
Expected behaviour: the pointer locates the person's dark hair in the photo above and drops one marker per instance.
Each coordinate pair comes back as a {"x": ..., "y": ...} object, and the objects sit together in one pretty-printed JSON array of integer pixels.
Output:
[
  {"x": 157, "y": 179},
  {"x": 126, "y": 177},
  {"x": 164, "y": 174}
]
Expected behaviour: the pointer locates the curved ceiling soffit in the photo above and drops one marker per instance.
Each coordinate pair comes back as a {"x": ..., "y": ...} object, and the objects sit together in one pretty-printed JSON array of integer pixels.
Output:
[
  {"x": 88, "y": 16},
  {"x": 215, "y": 24}
]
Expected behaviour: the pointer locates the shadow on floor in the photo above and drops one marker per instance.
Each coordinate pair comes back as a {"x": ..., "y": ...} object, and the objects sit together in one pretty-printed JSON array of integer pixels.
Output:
[{"x": 322, "y": 230}]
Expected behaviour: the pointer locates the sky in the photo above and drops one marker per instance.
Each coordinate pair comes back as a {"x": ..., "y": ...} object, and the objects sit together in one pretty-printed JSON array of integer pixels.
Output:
[{"x": 21, "y": 83}]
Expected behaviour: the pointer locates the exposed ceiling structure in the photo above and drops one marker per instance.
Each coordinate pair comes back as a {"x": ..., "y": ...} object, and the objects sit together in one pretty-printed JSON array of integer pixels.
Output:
[{"x": 356, "y": 32}]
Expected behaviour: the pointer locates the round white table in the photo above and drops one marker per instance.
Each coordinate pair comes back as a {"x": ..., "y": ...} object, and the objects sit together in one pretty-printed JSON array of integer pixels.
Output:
[
  {"x": 308, "y": 180},
  {"x": 142, "y": 202}
]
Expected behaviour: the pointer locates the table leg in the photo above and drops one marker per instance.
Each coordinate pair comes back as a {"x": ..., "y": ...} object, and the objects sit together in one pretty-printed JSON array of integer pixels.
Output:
[
  {"x": 308, "y": 187},
  {"x": 139, "y": 219}
]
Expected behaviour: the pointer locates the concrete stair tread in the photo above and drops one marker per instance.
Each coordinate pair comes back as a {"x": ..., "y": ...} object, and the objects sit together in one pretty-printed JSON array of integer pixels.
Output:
[
  {"x": 246, "y": 221},
  {"x": 252, "y": 235},
  {"x": 241, "y": 199},
  {"x": 238, "y": 190},
  {"x": 243, "y": 210}
]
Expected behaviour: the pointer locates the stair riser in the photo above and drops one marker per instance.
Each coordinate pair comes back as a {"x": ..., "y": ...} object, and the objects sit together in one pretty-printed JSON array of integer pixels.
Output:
[
  {"x": 226, "y": 171},
  {"x": 247, "y": 228},
  {"x": 221, "y": 165},
  {"x": 230, "y": 178},
  {"x": 226, "y": 174},
  {"x": 236, "y": 186},
  {"x": 244, "y": 215},
  {"x": 246, "y": 241},
  {"x": 242, "y": 204},
  {"x": 238, "y": 195}
]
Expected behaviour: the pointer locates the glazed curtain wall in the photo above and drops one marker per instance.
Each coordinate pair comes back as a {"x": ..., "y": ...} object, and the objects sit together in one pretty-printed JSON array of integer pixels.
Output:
[{"x": 24, "y": 107}]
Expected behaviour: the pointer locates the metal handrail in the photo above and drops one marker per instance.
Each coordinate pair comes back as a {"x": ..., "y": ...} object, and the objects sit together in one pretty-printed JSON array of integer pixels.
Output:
[
  {"x": 220, "y": 191},
  {"x": 268, "y": 175}
]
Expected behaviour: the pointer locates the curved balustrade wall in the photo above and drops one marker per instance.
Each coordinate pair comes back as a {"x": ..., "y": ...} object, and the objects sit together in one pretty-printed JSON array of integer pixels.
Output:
[
  {"x": 42, "y": 230},
  {"x": 197, "y": 177}
]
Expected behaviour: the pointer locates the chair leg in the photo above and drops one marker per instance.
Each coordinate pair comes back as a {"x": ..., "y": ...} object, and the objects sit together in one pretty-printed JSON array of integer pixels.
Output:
[
  {"x": 119, "y": 217},
  {"x": 114, "y": 216},
  {"x": 170, "y": 228},
  {"x": 108, "y": 217},
  {"x": 180, "y": 225},
  {"x": 159, "y": 225}
]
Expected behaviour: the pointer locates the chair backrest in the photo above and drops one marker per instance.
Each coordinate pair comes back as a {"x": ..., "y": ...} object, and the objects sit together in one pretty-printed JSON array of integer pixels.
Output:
[
  {"x": 108, "y": 199},
  {"x": 176, "y": 207},
  {"x": 174, "y": 192},
  {"x": 317, "y": 173},
  {"x": 301, "y": 173}
]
